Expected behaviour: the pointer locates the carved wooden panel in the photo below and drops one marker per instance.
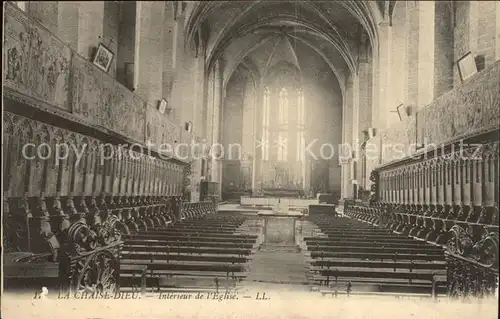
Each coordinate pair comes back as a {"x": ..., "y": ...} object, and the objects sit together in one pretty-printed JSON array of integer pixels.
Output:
[
  {"x": 476, "y": 185},
  {"x": 87, "y": 169},
  {"x": 489, "y": 184},
  {"x": 449, "y": 182}
]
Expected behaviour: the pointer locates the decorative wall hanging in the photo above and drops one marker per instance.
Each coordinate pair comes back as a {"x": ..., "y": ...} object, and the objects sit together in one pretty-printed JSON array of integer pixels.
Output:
[{"x": 103, "y": 58}]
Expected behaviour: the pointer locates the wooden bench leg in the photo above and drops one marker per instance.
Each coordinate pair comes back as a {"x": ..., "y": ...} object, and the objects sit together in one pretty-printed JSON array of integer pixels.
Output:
[
  {"x": 143, "y": 283},
  {"x": 433, "y": 293}
]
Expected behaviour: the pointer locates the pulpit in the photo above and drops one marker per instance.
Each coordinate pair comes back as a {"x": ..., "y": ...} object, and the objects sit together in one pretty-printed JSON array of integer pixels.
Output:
[{"x": 280, "y": 225}]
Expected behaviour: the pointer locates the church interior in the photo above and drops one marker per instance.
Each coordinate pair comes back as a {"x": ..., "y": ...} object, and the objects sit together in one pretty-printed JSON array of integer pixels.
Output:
[{"x": 341, "y": 148}]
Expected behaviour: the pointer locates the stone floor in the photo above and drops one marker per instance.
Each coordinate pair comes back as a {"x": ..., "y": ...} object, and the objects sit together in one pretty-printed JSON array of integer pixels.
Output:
[{"x": 278, "y": 264}]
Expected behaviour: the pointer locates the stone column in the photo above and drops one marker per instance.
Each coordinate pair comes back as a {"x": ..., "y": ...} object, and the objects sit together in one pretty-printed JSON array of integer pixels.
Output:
[
  {"x": 248, "y": 126},
  {"x": 149, "y": 50},
  {"x": 168, "y": 49},
  {"x": 375, "y": 90},
  {"x": 198, "y": 91},
  {"x": 198, "y": 86},
  {"x": 365, "y": 98},
  {"x": 365, "y": 109},
  {"x": 473, "y": 26},
  {"x": 181, "y": 93},
  {"x": 125, "y": 57},
  {"x": 426, "y": 32},
  {"x": 257, "y": 157},
  {"x": 46, "y": 12},
  {"x": 347, "y": 138},
  {"x": 497, "y": 33},
  {"x": 68, "y": 23},
  {"x": 355, "y": 113},
  {"x": 385, "y": 41},
  {"x": 210, "y": 107},
  {"x": 412, "y": 52},
  {"x": 90, "y": 27},
  {"x": 216, "y": 122}
]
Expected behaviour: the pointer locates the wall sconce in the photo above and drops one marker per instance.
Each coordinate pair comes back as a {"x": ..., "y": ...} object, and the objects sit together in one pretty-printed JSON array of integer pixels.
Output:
[
  {"x": 366, "y": 135},
  {"x": 400, "y": 111},
  {"x": 188, "y": 126},
  {"x": 372, "y": 132},
  {"x": 403, "y": 111}
]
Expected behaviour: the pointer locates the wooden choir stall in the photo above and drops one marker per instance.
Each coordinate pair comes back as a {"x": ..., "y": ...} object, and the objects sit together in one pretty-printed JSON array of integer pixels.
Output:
[{"x": 448, "y": 197}]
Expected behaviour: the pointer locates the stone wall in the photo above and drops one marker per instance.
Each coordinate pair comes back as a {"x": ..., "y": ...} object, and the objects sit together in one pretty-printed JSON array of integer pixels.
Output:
[
  {"x": 39, "y": 65},
  {"x": 469, "y": 108}
]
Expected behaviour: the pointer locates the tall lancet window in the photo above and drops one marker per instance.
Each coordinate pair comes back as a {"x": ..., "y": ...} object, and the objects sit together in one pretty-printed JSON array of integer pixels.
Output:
[
  {"x": 300, "y": 126},
  {"x": 265, "y": 126},
  {"x": 283, "y": 125}
]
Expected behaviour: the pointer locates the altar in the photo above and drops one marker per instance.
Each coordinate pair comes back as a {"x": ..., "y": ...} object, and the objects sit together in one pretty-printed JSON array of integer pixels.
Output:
[{"x": 280, "y": 225}]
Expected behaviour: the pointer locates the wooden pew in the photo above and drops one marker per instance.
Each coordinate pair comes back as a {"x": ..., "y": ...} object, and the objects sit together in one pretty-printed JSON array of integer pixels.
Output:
[
  {"x": 172, "y": 258},
  {"x": 375, "y": 249},
  {"x": 353, "y": 240},
  {"x": 186, "y": 243},
  {"x": 377, "y": 256},
  {"x": 199, "y": 237},
  {"x": 408, "y": 276},
  {"x": 134, "y": 276},
  {"x": 363, "y": 236},
  {"x": 322, "y": 264},
  {"x": 195, "y": 252},
  {"x": 367, "y": 243},
  {"x": 188, "y": 231},
  {"x": 385, "y": 281}
]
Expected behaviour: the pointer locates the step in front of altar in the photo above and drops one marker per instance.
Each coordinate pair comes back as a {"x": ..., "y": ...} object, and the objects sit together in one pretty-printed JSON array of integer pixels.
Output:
[
  {"x": 272, "y": 201},
  {"x": 322, "y": 209}
]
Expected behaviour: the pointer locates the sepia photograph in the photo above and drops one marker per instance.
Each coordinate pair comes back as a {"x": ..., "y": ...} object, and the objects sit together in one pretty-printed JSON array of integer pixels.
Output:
[{"x": 250, "y": 159}]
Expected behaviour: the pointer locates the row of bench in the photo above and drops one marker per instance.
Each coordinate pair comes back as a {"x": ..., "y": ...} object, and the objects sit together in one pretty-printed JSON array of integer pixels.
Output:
[
  {"x": 202, "y": 252},
  {"x": 351, "y": 255}
]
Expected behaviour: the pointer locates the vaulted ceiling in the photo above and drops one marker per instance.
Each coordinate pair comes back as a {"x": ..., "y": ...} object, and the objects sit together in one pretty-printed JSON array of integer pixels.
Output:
[{"x": 261, "y": 34}]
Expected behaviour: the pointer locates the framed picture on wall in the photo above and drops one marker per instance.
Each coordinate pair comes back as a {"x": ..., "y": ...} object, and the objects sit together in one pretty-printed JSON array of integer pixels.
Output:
[
  {"x": 103, "y": 58},
  {"x": 466, "y": 66}
]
